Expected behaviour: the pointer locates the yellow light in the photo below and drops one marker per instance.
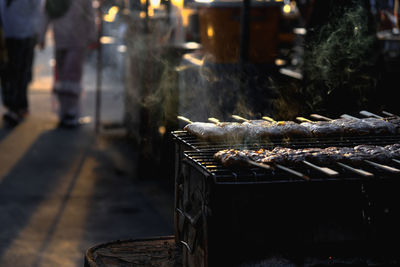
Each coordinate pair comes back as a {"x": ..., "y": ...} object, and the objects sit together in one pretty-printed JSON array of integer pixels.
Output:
[
  {"x": 142, "y": 14},
  {"x": 192, "y": 45},
  {"x": 150, "y": 11},
  {"x": 107, "y": 40},
  {"x": 143, "y": 2},
  {"x": 193, "y": 60},
  {"x": 286, "y": 8},
  {"x": 112, "y": 12},
  {"x": 186, "y": 12},
  {"x": 162, "y": 130},
  {"x": 280, "y": 62},
  {"x": 210, "y": 31},
  {"x": 178, "y": 3},
  {"x": 155, "y": 3}
]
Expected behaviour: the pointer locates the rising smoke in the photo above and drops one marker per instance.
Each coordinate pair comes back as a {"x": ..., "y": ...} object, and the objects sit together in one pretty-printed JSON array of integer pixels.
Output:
[{"x": 340, "y": 55}]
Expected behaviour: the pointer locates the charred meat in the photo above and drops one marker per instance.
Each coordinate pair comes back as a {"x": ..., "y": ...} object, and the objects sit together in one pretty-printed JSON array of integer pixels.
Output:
[
  {"x": 264, "y": 130},
  {"x": 290, "y": 156},
  {"x": 349, "y": 127}
]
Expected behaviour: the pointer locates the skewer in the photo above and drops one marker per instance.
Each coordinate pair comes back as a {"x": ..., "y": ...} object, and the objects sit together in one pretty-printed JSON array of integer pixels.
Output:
[
  {"x": 346, "y": 116},
  {"x": 214, "y": 120},
  {"x": 264, "y": 166},
  {"x": 325, "y": 170},
  {"x": 299, "y": 174},
  {"x": 383, "y": 167},
  {"x": 396, "y": 160},
  {"x": 268, "y": 167},
  {"x": 358, "y": 171},
  {"x": 378, "y": 165},
  {"x": 303, "y": 119},
  {"x": 236, "y": 117},
  {"x": 184, "y": 119},
  {"x": 369, "y": 114},
  {"x": 320, "y": 117},
  {"x": 389, "y": 114},
  {"x": 268, "y": 119}
]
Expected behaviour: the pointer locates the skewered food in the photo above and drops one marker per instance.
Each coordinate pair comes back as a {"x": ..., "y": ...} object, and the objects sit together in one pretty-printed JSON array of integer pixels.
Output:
[
  {"x": 393, "y": 119},
  {"x": 280, "y": 129},
  {"x": 290, "y": 156},
  {"x": 217, "y": 131},
  {"x": 261, "y": 130},
  {"x": 249, "y": 130},
  {"x": 351, "y": 127},
  {"x": 324, "y": 128}
]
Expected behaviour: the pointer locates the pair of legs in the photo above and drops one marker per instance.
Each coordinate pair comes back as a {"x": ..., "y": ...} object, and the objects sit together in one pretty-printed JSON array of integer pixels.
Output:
[
  {"x": 67, "y": 86},
  {"x": 17, "y": 76}
]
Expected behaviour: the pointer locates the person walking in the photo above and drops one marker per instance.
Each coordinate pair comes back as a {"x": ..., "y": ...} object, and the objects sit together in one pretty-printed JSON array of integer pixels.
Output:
[
  {"x": 74, "y": 30},
  {"x": 20, "y": 21}
]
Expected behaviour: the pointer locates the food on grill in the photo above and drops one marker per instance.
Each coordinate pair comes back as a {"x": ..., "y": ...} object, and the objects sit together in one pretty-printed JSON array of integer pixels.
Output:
[
  {"x": 290, "y": 156},
  {"x": 261, "y": 130},
  {"x": 217, "y": 131},
  {"x": 249, "y": 130},
  {"x": 393, "y": 119},
  {"x": 350, "y": 127},
  {"x": 379, "y": 126},
  {"x": 324, "y": 128}
]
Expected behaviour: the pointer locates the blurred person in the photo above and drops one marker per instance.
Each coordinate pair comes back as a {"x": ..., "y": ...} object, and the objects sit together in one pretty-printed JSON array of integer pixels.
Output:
[
  {"x": 73, "y": 32},
  {"x": 20, "y": 21}
]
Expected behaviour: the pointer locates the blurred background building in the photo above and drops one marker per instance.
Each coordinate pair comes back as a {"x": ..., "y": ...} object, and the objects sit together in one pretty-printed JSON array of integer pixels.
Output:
[{"x": 200, "y": 59}]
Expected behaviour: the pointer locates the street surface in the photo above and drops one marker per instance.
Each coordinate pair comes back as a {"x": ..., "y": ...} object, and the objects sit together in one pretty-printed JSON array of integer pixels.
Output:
[{"x": 65, "y": 190}]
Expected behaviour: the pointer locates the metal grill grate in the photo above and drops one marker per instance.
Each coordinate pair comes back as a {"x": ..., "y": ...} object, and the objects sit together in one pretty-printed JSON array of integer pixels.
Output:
[{"x": 204, "y": 161}]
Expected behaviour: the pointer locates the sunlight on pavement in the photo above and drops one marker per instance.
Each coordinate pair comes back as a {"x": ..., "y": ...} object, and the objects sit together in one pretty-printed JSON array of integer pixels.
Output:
[
  {"x": 44, "y": 62},
  {"x": 58, "y": 223},
  {"x": 42, "y": 84}
]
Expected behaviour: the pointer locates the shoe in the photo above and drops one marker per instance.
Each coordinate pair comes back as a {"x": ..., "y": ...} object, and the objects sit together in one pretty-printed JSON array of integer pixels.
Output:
[
  {"x": 69, "y": 122},
  {"x": 11, "y": 118}
]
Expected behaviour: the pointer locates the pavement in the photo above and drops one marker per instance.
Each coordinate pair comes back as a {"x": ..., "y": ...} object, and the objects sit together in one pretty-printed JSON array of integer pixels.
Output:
[{"x": 63, "y": 191}]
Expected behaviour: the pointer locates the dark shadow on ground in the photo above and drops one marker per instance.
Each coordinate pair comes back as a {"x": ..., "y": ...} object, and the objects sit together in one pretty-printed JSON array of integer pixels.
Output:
[
  {"x": 123, "y": 206},
  {"x": 34, "y": 178},
  {"x": 119, "y": 207}
]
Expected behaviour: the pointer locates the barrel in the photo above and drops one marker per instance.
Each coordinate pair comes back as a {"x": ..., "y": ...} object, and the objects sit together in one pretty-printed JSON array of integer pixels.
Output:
[{"x": 219, "y": 26}]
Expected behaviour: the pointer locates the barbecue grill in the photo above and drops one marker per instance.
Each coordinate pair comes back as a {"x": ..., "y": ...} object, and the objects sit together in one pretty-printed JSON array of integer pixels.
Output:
[{"x": 226, "y": 216}]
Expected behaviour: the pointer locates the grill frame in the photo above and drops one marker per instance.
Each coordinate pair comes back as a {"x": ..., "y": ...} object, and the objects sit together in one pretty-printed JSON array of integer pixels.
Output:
[
  {"x": 208, "y": 216},
  {"x": 201, "y": 152}
]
